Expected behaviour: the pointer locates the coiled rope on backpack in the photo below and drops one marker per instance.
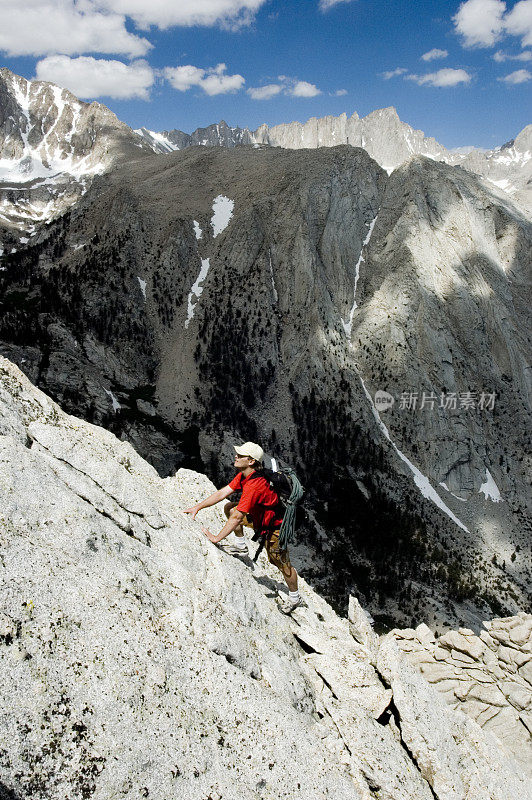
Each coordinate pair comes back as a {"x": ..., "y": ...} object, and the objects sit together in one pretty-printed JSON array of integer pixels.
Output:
[{"x": 286, "y": 533}]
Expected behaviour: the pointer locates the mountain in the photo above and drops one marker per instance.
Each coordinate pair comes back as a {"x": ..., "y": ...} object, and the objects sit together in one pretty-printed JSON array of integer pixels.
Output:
[
  {"x": 219, "y": 135},
  {"x": 383, "y": 135},
  {"x": 508, "y": 167},
  {"x": 211, "y": 295},
  {"x": 51, "y": 147},
  {"x": 139, "y": 660}
]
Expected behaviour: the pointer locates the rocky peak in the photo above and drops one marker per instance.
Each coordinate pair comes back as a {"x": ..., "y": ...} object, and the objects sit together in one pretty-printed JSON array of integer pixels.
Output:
[
  {"x": 390, "y": 113},
  {"x": 384, "y": 136},
  {"x": 46, "y": 130},
  {"x": 51, "y": 146}
]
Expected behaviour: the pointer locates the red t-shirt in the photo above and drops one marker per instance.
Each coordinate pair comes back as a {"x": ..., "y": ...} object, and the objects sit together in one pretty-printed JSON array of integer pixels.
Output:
[{"x": 259, "y": 502}]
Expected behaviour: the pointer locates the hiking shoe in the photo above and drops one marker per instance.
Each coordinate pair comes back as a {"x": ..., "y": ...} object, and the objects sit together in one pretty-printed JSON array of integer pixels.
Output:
[
  {"x": 290, "y": 605},
  {"x": 235, "y": 549}
]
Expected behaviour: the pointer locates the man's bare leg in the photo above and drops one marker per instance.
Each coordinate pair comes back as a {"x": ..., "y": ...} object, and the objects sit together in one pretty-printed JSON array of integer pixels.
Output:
[
  {"x": 239, "y": 547},
  {"x": 227, "y": 511},
  {"x": 294, "y": 599},
  {"x": 291, "y": 579}
]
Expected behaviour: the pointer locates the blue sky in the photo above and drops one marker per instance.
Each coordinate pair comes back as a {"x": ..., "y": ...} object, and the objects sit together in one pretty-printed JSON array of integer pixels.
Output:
[{"x": 459, "y": 71}]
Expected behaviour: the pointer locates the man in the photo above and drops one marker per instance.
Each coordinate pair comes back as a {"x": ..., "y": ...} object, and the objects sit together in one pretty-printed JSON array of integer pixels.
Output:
[{"x": 258, "y": 504}]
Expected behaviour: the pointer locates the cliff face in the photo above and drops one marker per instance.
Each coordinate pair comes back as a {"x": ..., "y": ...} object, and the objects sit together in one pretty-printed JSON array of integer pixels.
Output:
[
  {"x": 382, "y": 134},
  {"x": 137, "y": 659},
  {"x": 270, "y": 294}
]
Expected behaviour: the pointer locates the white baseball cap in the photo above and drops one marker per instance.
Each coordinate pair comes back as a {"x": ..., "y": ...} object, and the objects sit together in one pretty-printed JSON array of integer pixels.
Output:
[{"x": 250, "y": 449}]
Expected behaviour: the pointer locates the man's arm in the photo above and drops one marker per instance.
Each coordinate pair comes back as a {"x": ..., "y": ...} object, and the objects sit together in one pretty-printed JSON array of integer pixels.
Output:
[
  {"x": 235, "y": 518},
  {"x": 221, "y": 494}
]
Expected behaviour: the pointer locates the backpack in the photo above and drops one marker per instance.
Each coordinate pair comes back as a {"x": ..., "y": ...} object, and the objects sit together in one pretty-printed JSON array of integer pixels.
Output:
[{"x": 287, "y": 487}]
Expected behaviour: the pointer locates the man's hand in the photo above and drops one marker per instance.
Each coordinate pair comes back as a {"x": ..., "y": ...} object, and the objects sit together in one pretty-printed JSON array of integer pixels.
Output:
[
  {"x": 208, "y": 534},
  {"x": 192, "y": 511},
  {"x": 214, "y": 498}
]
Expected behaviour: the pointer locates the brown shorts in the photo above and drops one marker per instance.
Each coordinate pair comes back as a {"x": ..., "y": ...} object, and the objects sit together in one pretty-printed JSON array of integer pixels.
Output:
[{"x": 276, "y": 556}]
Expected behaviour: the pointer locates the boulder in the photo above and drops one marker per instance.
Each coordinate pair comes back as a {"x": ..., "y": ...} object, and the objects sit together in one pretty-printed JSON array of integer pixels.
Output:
[
  {"x": 493, "y": 689},
  {"x": 452, "y": 752}
]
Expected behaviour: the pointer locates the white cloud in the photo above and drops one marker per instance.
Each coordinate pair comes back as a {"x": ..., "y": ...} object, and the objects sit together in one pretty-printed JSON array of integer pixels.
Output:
[
  {"x": 183, "y": 78},
  {"x": 526, "y": 55},
  {"x": 217, "y": 82},
  {"x": 168, "y": 13},
  {"x": 443, "y": 77},
  {"x": 287, "y": 86},
  {"x": 303, "y": 89},
  {"x": 90, "y": 77},
  {"x": 483, "y": 22},
  {"x": 393, "y": 73},
  {"x": 340, "y": 92},
  {"x": 433, "y": 54},
  {"x": 42, "y": 27},
  {"x": 518, "y": 22},
  {"x": 519, "y": 76},
  {"x": 325, "y": 5},
  {"x": 480, "y": 22},
  {"x": 71, "y": 27},
  {"x": 468, "y": 148},
  {"x": 212, "y": 81},
  {"x": 265, "y": 92}
]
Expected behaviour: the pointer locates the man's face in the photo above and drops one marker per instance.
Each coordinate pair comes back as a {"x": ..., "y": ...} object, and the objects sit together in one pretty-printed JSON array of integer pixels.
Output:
[{"x": 242, "y": 462}]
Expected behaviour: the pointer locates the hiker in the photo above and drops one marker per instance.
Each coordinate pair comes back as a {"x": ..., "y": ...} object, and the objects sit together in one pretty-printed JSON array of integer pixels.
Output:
[{"x": 259, "y": 507}]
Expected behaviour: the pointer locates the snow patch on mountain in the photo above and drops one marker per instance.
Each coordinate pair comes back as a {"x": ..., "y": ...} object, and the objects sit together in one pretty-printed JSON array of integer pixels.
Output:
[
  {"x": 347, "y": 325},
  {"x": 30, "y": 168},
  {"x": 421, "y": 481},
  {"x": 142, "y": 286},
  {"x": 157, "y": 141},
  {"x": 511, "y": 156},
  {"x": 489, "y": 489},
  {"x": 196, "y": 291},
  {"x": 116, "y": 404},
  {"x": 222, "y": 212}
]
